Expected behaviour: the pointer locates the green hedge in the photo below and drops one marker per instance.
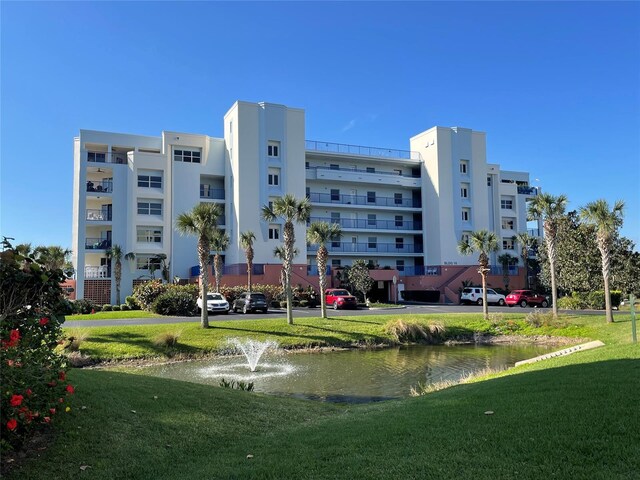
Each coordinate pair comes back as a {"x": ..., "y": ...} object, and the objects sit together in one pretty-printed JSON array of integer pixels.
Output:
[
  {"x": 589, "y": 300},
  {"x": 174, "y": 302}
]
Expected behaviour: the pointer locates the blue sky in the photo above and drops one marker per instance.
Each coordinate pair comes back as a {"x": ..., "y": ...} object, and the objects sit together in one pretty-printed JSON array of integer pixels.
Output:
[{"x": 556, "y": 86}]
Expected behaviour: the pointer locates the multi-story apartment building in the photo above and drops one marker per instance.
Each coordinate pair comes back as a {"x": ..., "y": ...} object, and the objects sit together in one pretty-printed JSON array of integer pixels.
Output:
[{"x": 403, "y": 211}]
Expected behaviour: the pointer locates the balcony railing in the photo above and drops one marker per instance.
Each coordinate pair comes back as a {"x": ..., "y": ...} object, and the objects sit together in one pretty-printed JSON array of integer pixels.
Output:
[
  {"x": 418, "y": 270},
  {"x": 361, "y": 170},
  {"x": 235, "y": 269},
  {"x": 498, "y": 270},
  {"x": 106, "y": 157},
  {"x": 97, "y": 272},
  {"x": 97, "y": 243},
  {"x": 94, "y": 215},
  {"x": 527, "y": 190},
  {"x": 312, "y": 270},
  {"x": 206, "y": 191},
  {"x": 105, "y": 186},
  {"x": 366, "y": 224},
  {"x": 368, "y": 247},
  {"x": 313, "y": 145},
  {"x": 376, "y": 201}
]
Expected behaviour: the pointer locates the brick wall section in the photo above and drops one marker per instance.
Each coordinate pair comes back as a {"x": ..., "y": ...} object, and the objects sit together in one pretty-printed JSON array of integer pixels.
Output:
[{"x": 98, "y": 291}]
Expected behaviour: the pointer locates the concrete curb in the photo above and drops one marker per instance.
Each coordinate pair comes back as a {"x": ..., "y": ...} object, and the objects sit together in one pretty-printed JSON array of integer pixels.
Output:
[{"x": 562, "y": 353}]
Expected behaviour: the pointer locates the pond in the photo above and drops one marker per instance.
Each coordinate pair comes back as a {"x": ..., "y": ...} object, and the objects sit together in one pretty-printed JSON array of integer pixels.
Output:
[{"x": 353, "y": 376}]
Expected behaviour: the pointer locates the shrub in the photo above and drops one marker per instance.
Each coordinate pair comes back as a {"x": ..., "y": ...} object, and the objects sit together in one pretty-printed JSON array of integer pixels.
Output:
[
  {"x": 237, "y": 385},
  {"x": 132, "y": 303},
  {"x": 283, "y": 304},
  {"x": 147, "y": 293},
  {"x": 269, "y": 291},
  {"x": 124, "y": 307},
  {"x": 174, "y": 302},
  {"x": 572, "y": 302},
  {"x": 589, "y": 300},
  {"x": 73, "y": 340},
  {"x": 403, "y": 331},
  {"x": 538, "y": 318},
  {"x": 67, "y": 307},
  {"x": 304, "y": 303},
  {"x": 295, "y": 303},
  {"x": 167, "y": 339},
  {"x": 106, "y": 307},
  {"x": 79, "y": 360},
  {"x": 84, "y": 306},
  {"x": 115, "y": 308},
  {"x": 33, "y": 374},
  {"x": 275, "y": 304}
]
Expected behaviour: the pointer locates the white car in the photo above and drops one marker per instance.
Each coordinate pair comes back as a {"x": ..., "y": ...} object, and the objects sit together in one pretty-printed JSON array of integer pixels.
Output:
[
  {"x": 474, "y": 295},
  {"x": 216, "y": 303}
]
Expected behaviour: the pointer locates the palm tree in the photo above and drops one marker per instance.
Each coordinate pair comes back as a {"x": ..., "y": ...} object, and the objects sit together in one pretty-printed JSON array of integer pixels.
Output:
[
  {"x": 484, "y": 242},
  {"x": 319, "y": 233},
  {"x": 607, "y": 223},
  {"x": 278, "y": 252},
  {"x": 506, "y": 260},
  {"x": 246, "y": 240},
  {"x": 201, "y": 222},
  {"x": 290, "y": 210},
  {"x": 551, "y": 209},
  {"x": 526, "y": 242},
  {"x": 115, "y": 253},
  {"x": 219, "y": 243},
  {"x": 53, "y": 257},
  {"x": 160, "y": 263}
]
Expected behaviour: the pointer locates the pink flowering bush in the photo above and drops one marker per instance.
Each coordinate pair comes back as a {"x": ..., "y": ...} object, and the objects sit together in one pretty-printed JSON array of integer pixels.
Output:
[{"x": 33, "y": 385}]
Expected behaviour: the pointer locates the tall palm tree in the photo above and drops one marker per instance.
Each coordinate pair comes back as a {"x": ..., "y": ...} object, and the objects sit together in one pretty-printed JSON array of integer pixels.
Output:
[
  {"x": 551, "y": 209},
  {"x": 526, "y": 242},
  {"x": 319, "y": 233},
  {"x": 53, "y": 257},
  {"x": 506, "y": 260},
  {"x": 484, "y": 242},
  {"x": 246, "y": 240},
  {"x": 201, "y": 222},
  {"x": 278, "y": 252},
  {"x": 219, "y": 243},
  {"x": 290, "y": 210},
  {"x": 115, "y": 253},
  {"x": 607, "y": 221}
]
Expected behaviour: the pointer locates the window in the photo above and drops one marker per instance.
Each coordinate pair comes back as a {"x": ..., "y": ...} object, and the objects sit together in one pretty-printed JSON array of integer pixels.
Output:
[
  {"x": 274, "y": 177},
  {"x": 274, "y": 232},
  {"x": 508, "y": 223},
  {"x": 334, "y": 166},
  {"x": 371, "y": 220},
  {"x": 149, "y": 181},
  {"x": 149, "y": 208},
  {"x": 464, "y": 166},
  {"x": 507, "y": 244},
  {"x": 335, "y": 217},
  {"x": 399, "y": 243},
  {"x": 144, "y": 262},
  {"x": 399, "y": 221},
  {"x": 464, "y": 190},
  {"x": 149, "y": 234},
  {"x": 336, "y": 262},
  {"x": 273, "y": 149},
  {"x": 373, "y": 242},
  {"x": 96, "y": 157},
  {"x": 335, "y": 195},
  {"x": 188, "y": 156},
  {"x": 466, "y": 236},
  {"x": 397, "y": 198},
  {"x": 335, "y": 242},
  {"x": 506, "y": 204},
  {"x": 307, "y": 192},
  {"x": 400, "y": 265},
  {"x": 466, "y": 214},
  {"x": 397, "y": 171},
  {"x": 371, "y": 197},
  {"x": 488, "y": 181},
  {"x": 371, "y": 170}
]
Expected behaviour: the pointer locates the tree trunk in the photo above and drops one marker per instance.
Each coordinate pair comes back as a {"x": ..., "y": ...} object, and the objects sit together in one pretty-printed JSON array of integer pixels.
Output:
[
  {"x": 289, "y": 245},
  {"x": 249, "y": 269},
  {"x": 550, "y": 240},
  {"x": 203, "y": 257},
  {"x": 485, "y": 307},
  {"x": 322, "y": 278},
  {"x": 118, "y": 275},
  {"x": 217, "y": 265},
  {"x": 604, "y": 253}
]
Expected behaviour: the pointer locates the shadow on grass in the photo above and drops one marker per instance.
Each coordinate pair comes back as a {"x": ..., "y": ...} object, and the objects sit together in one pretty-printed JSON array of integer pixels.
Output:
[{"x": 142, "y": 342}]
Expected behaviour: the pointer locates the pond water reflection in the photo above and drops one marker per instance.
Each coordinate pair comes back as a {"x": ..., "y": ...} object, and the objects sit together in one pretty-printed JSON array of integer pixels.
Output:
[{"x": 354, "y": 376}]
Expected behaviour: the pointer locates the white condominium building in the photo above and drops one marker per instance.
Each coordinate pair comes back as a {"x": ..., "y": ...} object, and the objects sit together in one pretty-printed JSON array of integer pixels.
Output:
[{"x": 403, "y": 211}]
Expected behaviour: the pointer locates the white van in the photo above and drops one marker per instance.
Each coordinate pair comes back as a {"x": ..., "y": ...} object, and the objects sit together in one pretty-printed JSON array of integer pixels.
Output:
[{"x": 474, "y": 295}]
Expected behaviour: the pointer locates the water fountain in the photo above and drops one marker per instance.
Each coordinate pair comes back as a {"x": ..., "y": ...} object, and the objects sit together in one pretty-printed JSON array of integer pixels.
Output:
[{"x": 252, "y": 349}]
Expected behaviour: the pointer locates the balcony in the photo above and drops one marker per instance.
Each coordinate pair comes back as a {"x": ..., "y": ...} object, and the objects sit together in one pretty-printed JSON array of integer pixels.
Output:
[
  {"x": 105, "y": 186},
  {"x": 358, "y": 150},
  {"x": 419, "y": 270},
  {"x": 97, "y": 272},
  {"x": 235, "y": 269},
  {"x": 366, "y": 224},
  {"x": 366, "y": 247},
  {"x": 97, "y": 243},
  {"x": 207, "y": 191},
  {"x": 345, "y": 199},
  {"x": 312, "y": 270},
  {"x": 512, "y": 270},
  {"x": 107, "y": 157},
  {"x": 94, "y": 215},
  {"x": 527, "y": 190}
]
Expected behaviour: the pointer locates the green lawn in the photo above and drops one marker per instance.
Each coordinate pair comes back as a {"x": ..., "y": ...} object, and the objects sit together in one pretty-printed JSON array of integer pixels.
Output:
[
  {"x": 573, "y": 417},
  {"x": 113, "y": 315}
]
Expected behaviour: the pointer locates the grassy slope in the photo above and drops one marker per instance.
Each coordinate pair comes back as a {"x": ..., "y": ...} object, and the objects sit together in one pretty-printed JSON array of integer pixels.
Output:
[
  {"x": 113, "y": 315},
  {"x": 570, "y": 417}
]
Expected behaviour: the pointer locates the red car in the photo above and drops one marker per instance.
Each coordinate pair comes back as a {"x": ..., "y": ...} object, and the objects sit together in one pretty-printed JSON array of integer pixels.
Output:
[
  {"x": 340, "y": 298},
  {"x": 526, "y": 297}
]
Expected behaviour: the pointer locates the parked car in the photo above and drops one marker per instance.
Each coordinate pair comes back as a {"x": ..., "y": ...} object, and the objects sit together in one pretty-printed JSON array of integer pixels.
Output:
[
  {"x": 340, "y": 298},
  {"x": 474, "y": 295},
  {"x": 526, "y": 297},
  {"x": 216, "y": 303},
  {"x": 251, "y": 302}
]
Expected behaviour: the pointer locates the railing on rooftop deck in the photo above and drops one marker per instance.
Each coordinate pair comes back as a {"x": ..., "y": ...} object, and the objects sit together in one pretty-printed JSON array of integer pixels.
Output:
[
  {"x": 527, "y": 190},
  {"x": 235, "y": 269},
  {"x": 363, "y": 170},
  {"x": 96, "y": 243},
  {"x": 498, "y": 270},
  {"x": 361, "y": 150},
  {"x": 369, "y": 247},
  {"x": 207, "y": 191},
  {"x": 95, "y": 215},
  {"x": 418, "y": 270},
  {"x": 107, "y": 157},
  {"x": 105, "y": 186},
  {"x": 365, "y": 223},
  {"x": 376, "y": 201}
]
